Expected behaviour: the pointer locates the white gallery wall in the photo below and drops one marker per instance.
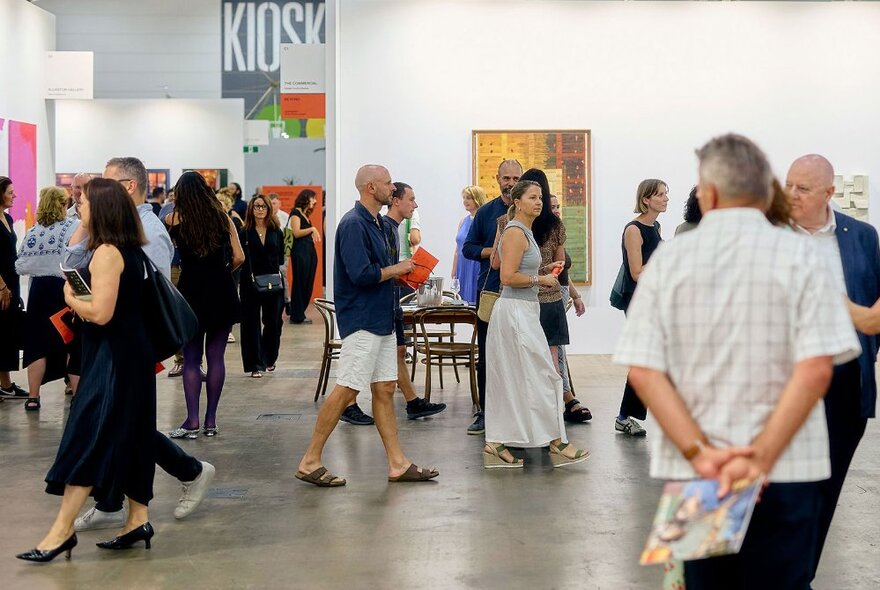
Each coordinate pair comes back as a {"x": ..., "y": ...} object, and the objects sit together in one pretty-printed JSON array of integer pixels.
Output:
[
  {"x": 164, "y": 133},
  {"x": 652, "y": 80},
  {"x": 26, "y": 34}
]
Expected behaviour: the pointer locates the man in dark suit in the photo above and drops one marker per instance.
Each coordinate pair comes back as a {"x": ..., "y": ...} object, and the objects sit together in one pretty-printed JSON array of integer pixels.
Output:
[{"x": 851, "y": 252}]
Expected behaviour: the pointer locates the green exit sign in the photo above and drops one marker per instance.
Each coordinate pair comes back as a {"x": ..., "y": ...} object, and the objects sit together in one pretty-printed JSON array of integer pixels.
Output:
[{"x": 251, "y": 149}]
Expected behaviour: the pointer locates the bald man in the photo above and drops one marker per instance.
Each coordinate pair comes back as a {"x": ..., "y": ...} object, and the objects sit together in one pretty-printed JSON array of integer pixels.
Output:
[
  {"x": 363, "y": 292},
  {"x": 851, "y": 252},
  {"x": 76, "y": 189}
]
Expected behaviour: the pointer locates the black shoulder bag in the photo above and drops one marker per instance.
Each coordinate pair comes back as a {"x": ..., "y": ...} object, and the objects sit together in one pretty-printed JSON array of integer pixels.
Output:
[
  {"x": 267, "y": 283},
  {"x": 171, "y": 322}
]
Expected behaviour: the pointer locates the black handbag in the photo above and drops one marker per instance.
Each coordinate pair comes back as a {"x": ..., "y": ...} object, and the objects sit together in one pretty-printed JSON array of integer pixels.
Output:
[
  {"x": 267, "y": 283},
  {"x": 620, "y": 294},
  {"x": 270, "y": 283},
  {"x": 171, "y": 322}
]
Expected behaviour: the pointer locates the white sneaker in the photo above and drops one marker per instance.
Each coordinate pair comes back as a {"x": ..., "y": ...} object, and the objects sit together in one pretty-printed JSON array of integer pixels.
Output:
[
  {"x": 629, "y": 426},
  {"x": 194, "y": 491},
  {"x": 231, "y": 338},
  {"x": 94, "y": 520}
]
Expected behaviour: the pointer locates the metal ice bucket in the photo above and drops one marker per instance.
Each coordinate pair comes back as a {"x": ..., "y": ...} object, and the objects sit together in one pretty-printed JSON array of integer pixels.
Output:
[{"x": 430, "y": 293}]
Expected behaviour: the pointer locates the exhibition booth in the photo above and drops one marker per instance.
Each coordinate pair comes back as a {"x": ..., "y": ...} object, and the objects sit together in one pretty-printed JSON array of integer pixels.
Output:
[{"x": 615, "y": 92}]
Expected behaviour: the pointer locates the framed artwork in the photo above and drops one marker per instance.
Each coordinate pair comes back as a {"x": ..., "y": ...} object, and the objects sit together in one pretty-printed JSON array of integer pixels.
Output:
[
  {"x": 565, "y": 157},
  {"x": 158, "y": 177},
  {"x": 216, "y": 178}
]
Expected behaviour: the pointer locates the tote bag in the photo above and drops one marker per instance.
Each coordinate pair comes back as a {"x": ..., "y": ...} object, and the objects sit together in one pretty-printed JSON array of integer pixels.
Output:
[{"x": 171, "y": 322}]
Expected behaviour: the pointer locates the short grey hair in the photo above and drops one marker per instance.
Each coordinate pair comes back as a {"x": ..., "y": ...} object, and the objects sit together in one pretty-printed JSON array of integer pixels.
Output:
[
  {"x": 134, "y": 169},
  {"x": 737, "y": 167}
]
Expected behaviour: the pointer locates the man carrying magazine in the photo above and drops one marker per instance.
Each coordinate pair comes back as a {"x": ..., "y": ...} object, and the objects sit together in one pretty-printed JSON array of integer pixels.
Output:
[{"x": 731, "y": 338}]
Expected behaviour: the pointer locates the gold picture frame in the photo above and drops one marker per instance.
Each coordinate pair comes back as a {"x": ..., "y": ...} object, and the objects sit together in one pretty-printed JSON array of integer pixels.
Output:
[{"x": 565, "y": 156}]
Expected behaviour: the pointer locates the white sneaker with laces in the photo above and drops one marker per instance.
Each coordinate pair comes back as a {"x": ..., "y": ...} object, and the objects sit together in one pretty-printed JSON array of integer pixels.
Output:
[
  {"x": 630, "y": 427},
  {"x": 94, "y": 520},
  {"x": 194, "y": 491}
]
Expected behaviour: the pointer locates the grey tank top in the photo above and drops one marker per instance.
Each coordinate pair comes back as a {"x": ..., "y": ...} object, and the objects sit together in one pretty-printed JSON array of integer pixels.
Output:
[{"x": 529, "y": 264}]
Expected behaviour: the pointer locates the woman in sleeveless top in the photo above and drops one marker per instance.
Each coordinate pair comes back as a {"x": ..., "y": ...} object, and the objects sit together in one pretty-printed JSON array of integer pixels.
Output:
[
  {"x": 467, "y": 271},
  {"x": 209, "y": 253},
  {"x": 523, "y": 386},
  {"x": 107, "y": 444},
  {"x": 641, "y": 236},
  {"x": 303, "y": 256}
]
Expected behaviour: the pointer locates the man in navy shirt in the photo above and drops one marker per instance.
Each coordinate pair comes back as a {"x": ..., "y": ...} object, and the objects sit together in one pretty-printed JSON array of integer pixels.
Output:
[
  {"x": 478, "y": 246},
  {"x": 364, "y": 297}
]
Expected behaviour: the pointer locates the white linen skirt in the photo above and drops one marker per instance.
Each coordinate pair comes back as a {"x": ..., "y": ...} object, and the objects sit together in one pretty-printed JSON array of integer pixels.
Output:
[{"x": 523, "y": 388}]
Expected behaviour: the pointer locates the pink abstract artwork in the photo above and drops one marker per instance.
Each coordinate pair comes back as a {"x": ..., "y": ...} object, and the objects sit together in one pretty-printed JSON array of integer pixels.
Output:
[{"x": 23, "y": 166}]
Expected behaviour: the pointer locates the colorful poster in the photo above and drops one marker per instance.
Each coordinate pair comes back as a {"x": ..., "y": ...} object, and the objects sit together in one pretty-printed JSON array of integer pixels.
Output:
[
  {"x": 23, "y": 167},
  {"x": 564, "y": 156},
  {"x": 252, "y": 34}
]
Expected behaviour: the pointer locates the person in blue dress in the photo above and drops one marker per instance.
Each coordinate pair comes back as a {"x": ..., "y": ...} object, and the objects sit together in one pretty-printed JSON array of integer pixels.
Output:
[{"x": 465, "y": 270}]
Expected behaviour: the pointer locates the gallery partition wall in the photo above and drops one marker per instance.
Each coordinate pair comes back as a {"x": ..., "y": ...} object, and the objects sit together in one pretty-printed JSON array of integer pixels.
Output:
[{"x": 650, "y": 80}]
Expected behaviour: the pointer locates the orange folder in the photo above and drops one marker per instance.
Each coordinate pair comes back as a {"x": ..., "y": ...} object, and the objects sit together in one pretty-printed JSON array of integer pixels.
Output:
[
  {"x": 63, "y": 329},
  {"x": 424, "y": 263}
]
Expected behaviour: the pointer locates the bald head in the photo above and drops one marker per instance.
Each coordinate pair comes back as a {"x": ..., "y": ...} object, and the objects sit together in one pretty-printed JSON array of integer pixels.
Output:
[
  {"x": 79, "y": 181},
  {"x": 818, "y": 165},
  {"x": 373, "y": 182},
  {"x": 367, "y": 174},
  {"x": 810, "y": 181}
]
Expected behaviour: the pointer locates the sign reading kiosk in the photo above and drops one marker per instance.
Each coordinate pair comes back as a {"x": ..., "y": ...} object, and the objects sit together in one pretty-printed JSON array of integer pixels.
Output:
[
  {"x": 302, "y": 81},
  {"x": 70, "y": 74}
]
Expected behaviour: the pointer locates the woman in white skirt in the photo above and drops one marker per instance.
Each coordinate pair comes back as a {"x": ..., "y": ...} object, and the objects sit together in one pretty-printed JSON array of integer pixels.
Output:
[{"x": 523, "y": 387}]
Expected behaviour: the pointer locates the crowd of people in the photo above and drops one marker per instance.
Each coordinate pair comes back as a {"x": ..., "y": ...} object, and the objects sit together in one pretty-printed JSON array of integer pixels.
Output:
[{"x": 751, "y": 336}]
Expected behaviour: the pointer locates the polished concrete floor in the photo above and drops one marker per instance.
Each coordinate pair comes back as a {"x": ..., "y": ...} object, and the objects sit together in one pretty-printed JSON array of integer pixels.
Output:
[{"x": 578, "y": 527}]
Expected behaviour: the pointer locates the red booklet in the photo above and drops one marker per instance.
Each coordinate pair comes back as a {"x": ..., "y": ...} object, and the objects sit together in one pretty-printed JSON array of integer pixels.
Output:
[{"x": 424, "y": 263}]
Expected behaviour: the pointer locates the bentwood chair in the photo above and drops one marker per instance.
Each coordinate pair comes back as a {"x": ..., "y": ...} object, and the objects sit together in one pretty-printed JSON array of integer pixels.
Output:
[
  {"x": 332, "y": 345},
  {"x": 448, "y": 353}
]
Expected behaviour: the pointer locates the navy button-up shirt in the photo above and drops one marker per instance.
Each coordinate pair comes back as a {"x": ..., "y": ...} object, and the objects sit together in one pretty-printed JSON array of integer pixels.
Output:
[
  {"x": 362, "y": 301},
  {"x": 482, "y": 235}
]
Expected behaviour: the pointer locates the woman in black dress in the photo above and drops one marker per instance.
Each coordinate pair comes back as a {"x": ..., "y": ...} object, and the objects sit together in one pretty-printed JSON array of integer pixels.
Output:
[
  {"x": 209, "y": 253},
  {"x": 303, "y": 256},
  {"x": 641, "y": 236},
  {"x": 10, "y": 297},
  {"x": 107, "y": 441},
  {"x": 263, "y": 244}
]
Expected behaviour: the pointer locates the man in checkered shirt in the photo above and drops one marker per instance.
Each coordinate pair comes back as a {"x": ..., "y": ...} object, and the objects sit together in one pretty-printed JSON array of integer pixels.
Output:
[{"x": 731, "y": 338}]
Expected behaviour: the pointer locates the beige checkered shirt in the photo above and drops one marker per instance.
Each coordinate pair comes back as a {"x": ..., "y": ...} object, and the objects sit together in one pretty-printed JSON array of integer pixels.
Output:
[{"x": 726, "y": 311}]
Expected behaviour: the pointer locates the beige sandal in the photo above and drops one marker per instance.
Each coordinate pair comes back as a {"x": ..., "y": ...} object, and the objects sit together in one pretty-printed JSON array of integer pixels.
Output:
[
  {"x": 492, "y": 458},
  {"x": 559, "y": 459}
]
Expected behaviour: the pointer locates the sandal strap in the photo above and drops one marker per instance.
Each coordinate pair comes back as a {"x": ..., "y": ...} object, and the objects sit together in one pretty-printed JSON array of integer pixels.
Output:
[{"x": 561, "y": 447}]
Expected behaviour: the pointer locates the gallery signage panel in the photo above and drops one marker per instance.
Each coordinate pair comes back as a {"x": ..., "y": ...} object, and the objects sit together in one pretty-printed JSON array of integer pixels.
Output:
[
  {"x": 303, "y": 68},
  {"x": 70, "y": 74},
  {"x": 303, "y": 106},
  {"x": 251, "y": 39}
]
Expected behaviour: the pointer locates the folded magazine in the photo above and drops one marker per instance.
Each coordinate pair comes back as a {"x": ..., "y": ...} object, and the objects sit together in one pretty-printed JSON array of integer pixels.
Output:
[{"x": 692, "y": 522}]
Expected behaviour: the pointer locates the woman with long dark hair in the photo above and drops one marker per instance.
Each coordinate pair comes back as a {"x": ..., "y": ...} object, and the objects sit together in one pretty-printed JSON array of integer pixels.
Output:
[
  {"x": 549, "y": 232},
  {"x": 263, "y": 244},
  {"x": 209, "y": 252},
  {"x": 107, "y": 444},
  {"x": 641, "y": 237},
  {"x": 40, "y": 256},
  {"x": 523, "y": 386},
  {"x": 10, "y": 296},
  {"x": 303, "y": 256},
  {"x": 692, "y": 214}
]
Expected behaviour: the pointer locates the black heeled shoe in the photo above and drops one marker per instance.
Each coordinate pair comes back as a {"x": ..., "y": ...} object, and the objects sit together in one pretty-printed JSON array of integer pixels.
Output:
[
  {"x": 44, "y": 555},
  {"x": 142, "y": 533}
]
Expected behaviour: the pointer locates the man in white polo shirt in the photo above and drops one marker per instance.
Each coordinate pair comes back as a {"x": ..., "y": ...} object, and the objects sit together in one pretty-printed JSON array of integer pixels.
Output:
[{"x": 731, "y": 338}]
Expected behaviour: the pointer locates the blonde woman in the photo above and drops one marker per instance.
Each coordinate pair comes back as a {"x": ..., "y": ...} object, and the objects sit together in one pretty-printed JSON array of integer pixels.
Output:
[
  {"x": 40, "y": 256},
  {"x": 641, "y": 237},
  {"x": 467, "y": 271}
]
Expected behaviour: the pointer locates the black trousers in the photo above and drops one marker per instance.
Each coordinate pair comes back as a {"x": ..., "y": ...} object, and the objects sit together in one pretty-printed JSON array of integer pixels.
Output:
[
  {"x": 482, "y": 331},
  {"x": 259, "y": 348},
  {"x": 777, "y": 553},
  {"x": 305, "y": 263},
  {"x": 631, "y": 405},
  {"x": 171, "y": 458},
  {"x": 845, "y": 430}
]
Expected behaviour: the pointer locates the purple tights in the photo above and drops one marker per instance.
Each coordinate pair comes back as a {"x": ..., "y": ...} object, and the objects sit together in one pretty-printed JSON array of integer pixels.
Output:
[{"x": 213, "y": 344}]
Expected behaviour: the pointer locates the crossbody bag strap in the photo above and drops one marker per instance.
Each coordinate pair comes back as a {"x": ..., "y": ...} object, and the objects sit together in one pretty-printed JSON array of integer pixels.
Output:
[{"x": 494, "y": 251}]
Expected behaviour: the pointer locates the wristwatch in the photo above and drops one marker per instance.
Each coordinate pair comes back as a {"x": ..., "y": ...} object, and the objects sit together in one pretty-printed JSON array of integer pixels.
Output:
[{"x": 693, "y": 450}]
